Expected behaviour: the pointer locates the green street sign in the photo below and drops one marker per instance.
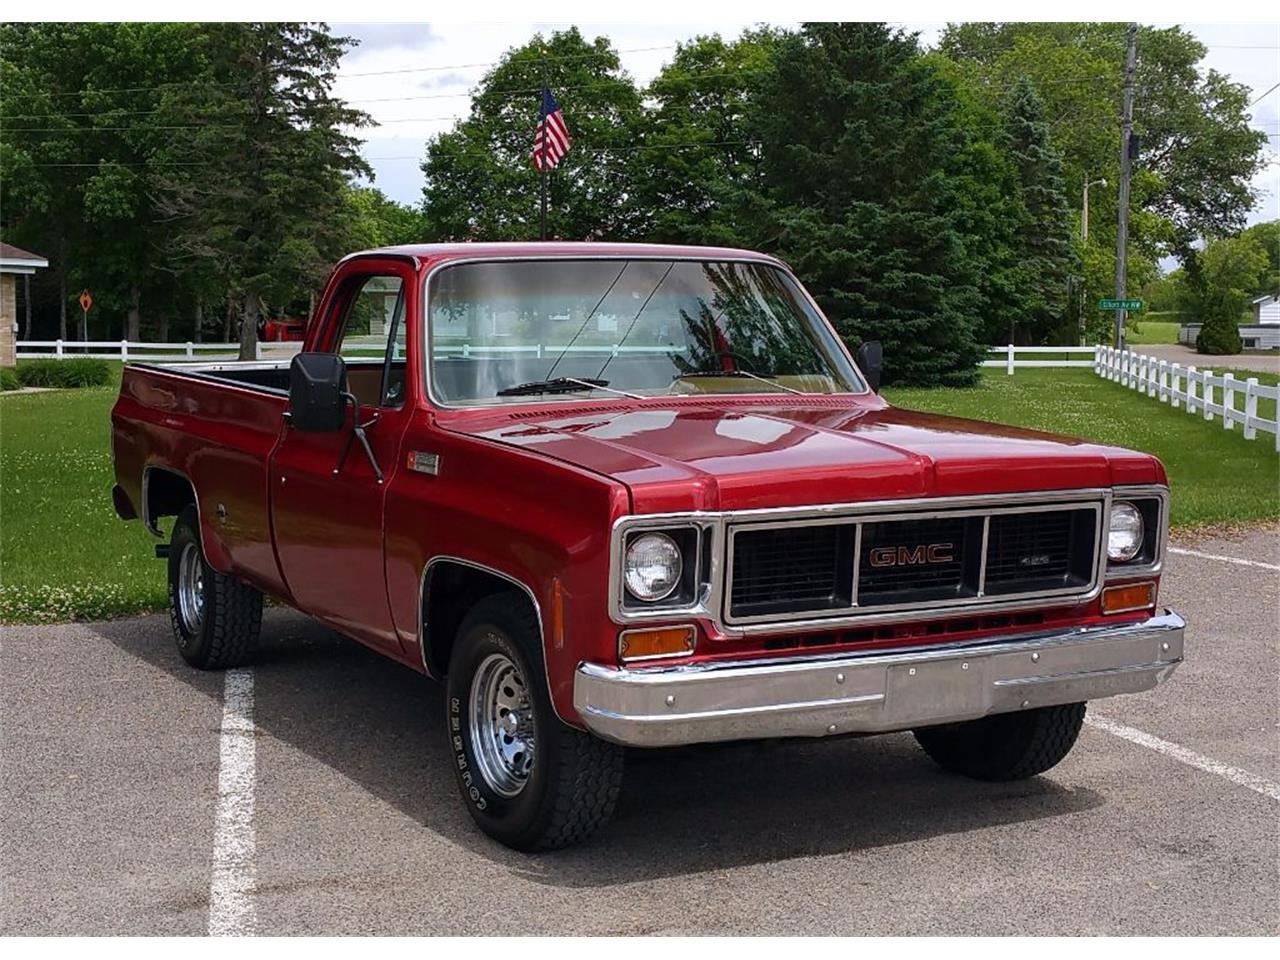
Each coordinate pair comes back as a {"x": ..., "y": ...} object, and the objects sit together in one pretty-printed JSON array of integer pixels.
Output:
[{"x": 1119, "y": 304}]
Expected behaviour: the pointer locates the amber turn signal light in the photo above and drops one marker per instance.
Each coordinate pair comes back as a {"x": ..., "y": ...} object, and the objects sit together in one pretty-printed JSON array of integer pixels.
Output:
[
  {"x": 656, "y": 642},
  {"x": 1132, "y": 596}
]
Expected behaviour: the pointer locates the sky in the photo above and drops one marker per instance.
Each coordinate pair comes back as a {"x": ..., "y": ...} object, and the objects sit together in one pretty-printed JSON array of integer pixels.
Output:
[{"x": 414, "y": 79}]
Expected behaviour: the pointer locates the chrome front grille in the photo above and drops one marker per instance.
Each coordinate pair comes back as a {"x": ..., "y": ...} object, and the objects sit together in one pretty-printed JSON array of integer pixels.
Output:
[{"x": 811, "y": 568}]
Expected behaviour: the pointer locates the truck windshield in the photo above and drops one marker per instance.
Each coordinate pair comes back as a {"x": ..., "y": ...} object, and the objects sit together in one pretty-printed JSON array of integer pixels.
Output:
[{"x": 556, "y": 329}]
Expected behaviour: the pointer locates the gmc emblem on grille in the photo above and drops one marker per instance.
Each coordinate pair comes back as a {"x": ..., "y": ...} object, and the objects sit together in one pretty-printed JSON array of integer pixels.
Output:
[{"x": 912, "y": 556}]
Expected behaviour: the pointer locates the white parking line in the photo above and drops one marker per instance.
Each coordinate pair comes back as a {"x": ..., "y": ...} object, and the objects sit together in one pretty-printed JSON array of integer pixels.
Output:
[
  {"x": 231, "y": 910},
  {"x": 1220, "y": 557},
  {"x": 1242, "y": 778}
]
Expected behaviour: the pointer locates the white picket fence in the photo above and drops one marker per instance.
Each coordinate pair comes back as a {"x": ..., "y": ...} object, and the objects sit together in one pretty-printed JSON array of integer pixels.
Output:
[
  {"x": 1181, "y": 386},
  {"x": 122, "y": 349},
  {"x": 1012, "y": 357},
  {"x": 1196, "y": 391}
]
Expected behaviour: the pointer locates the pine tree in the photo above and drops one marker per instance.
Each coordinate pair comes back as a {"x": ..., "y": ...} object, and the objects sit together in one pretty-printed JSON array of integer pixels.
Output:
[
  {"x": 260, "y": 192},
  {"x": 1043, "y": 232},
  {"x": 857, "y": 138}
]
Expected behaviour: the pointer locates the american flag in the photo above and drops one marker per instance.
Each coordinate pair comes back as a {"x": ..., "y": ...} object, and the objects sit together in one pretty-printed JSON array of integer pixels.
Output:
[{"x": 552, "y": 140}]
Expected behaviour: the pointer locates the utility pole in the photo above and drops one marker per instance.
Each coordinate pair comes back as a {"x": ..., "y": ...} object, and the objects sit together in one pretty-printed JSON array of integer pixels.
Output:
[{"x": 1126, "y": 169}]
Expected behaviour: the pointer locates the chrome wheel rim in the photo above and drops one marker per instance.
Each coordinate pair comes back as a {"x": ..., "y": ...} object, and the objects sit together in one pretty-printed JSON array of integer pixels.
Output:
[
  {"x": 502, "y": 725},
  {"x": 191, "y": 588}
]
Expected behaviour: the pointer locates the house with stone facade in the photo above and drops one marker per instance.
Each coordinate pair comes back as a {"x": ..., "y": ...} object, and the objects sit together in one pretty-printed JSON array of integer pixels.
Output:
[{"x": 14, "y": 262}]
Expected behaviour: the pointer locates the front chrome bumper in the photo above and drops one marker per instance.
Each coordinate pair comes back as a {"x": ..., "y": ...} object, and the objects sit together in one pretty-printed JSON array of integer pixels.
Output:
[{"x": 877, "y": 692}]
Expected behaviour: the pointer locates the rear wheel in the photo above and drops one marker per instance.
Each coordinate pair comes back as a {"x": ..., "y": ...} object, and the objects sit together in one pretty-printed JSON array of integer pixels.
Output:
[
  {"x": 528, "y": 780},
  {"x": 1006, "y": 746},
  {"x": 216, "y": 618}
]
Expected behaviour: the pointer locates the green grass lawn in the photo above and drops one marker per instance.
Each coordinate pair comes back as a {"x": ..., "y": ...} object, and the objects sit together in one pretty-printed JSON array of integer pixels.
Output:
[
  {"x": 63, "y": 552},
  {"x": 1139, "y": 332},
  {"x": 64, "y": 555}
]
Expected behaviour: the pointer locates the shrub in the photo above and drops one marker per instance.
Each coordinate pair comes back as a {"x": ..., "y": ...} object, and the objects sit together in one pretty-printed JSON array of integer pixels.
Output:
[
  {"x": 8, "y": 379},
  {"x": 1219, "y": 336},
  {"x": 71, "y": 372}
]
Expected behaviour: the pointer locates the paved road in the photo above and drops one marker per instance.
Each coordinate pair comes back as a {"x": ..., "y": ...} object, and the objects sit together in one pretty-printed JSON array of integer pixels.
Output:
[
  {"x": 110, "y": 771},
  {"x": 1256, "y": 362}
]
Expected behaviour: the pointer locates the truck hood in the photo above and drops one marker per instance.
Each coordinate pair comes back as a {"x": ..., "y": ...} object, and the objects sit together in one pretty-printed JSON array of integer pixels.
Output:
[{"x": 699, "y": 456}]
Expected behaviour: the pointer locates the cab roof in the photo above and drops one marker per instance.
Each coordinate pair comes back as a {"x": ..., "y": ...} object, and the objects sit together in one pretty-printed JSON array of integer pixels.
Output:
[{"x": 437, "y": 252}]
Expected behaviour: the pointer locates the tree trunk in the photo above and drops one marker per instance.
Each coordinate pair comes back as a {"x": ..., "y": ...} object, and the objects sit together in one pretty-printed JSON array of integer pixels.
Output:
[
  {"x": 26, "y": 301},
  {"x": 249, "y": 327},
  {"x": 164, "y": 326},
  {"x": 133, "y": 320},
  {"x": 62, "y": 288},
  {"x": 226, "y": 318},
  {"x": 197, "y": 322}
]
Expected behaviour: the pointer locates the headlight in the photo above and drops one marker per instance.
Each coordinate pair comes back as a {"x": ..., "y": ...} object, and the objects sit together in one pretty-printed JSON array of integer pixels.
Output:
[
  {"x": 1124, "y": 541},
  {"x": 652, "y": 567}
]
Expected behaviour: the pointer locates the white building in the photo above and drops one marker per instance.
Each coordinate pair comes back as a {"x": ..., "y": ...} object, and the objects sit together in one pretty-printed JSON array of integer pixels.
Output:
[{"x": 1266, "y": 309}]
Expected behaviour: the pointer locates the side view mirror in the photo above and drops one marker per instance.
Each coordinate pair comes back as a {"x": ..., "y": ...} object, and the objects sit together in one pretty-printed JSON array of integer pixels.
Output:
[
  {"x": 318, "y": 392},
  {"x": 870, "y": 360}
]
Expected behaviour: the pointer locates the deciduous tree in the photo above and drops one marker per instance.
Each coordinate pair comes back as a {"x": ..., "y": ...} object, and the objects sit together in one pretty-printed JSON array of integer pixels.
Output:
[{"x": 480, "y": 180}]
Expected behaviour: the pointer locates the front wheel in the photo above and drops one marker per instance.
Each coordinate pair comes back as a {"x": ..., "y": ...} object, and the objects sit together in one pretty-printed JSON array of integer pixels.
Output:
[
  {"x": 216, "y": 618},
  {"x": 528, "y": 780},
  {"x": 1007, "y": 746}
]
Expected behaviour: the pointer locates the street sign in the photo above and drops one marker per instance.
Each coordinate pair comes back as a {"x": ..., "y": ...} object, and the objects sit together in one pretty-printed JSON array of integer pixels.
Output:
[
  {"x": 86, "y": 300},
  {"x": 1119, "y": 304}
]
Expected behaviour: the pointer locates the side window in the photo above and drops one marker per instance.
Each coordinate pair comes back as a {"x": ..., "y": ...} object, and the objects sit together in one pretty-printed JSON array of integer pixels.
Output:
[{"x": 373, "y": 341}]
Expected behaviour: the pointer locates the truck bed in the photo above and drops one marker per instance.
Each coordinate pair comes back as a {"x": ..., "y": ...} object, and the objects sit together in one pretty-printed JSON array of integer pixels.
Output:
[{"x": 212, "y": 426}]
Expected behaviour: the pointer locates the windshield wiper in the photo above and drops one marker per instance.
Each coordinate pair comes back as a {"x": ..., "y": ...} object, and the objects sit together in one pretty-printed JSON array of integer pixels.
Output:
[
  {"x": 556, "y": 385},
  {"x": 765, "y": 378}
]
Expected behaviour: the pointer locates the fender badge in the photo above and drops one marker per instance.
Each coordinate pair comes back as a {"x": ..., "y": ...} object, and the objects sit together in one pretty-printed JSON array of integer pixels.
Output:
[{"x": 424, "y": 462}]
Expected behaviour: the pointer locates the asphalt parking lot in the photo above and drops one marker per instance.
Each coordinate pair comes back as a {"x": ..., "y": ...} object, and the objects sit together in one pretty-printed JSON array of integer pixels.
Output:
[{"x": 346, "y": 819}]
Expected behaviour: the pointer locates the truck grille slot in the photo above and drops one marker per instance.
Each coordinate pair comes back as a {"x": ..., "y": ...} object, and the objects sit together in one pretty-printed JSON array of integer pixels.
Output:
[
  {"x": 807, "y": 569},
  {"x": 776, "y": 569},
  {"x": 1039, "y": 551}
]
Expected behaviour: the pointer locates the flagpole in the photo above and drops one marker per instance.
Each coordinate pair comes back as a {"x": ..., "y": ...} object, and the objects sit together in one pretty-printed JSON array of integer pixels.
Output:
[{"x": 542, "y": 146}]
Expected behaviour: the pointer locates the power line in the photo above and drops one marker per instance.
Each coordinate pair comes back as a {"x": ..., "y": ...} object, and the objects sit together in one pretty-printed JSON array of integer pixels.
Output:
[
  {"x": 686, "y": 145},
  {"x": 554, "y": 58},
  {"x": 1261, "y": 98},
  {"x": 137, "y": 128},
  {"x": 494, "y": 63}
]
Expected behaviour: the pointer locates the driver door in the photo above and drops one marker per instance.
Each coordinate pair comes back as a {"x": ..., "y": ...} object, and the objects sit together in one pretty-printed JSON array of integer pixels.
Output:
[{"x": 329, "y": 525}]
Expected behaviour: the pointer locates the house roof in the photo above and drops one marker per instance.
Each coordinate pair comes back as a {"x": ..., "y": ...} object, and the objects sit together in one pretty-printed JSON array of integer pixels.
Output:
[
  {"x": 1265, "y": 297},
  {"x": 16, "y": 260}
]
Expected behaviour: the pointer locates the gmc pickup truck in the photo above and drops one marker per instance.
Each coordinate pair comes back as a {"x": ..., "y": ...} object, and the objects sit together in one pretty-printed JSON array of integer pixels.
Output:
[{"x": 618, "y": 496}]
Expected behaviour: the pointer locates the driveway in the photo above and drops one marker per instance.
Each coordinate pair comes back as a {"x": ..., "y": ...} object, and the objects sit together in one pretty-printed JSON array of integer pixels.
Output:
[{"x": 1177, "y": 353}]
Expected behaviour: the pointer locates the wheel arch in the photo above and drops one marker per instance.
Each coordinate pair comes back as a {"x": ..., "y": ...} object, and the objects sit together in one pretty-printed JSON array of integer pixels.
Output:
[
  {"x": 450, "y": 587},
  {"x": 165, "y": 492}
]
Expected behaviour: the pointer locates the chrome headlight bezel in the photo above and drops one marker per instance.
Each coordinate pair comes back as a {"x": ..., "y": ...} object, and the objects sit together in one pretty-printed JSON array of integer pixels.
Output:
[
  {"x": 691, "y": 596},
  {"x": 1152, "y": 502}
]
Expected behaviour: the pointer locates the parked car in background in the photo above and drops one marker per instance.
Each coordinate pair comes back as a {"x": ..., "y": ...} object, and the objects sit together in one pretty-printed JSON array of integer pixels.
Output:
[
  {"x": 695, "y": 522},
  {"x": 282, "y": 329}
]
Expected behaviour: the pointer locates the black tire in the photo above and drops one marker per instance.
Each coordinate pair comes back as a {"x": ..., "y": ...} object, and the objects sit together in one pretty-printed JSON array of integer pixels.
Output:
[
  {"x": 226, "y": 633},
  {"x": 573, "y": 785},
  {"x": 1007, "y": 746}
]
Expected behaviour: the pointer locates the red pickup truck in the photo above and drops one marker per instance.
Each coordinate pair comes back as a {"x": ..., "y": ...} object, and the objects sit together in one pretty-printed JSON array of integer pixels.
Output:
[{"x": 635, "y": 496}]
